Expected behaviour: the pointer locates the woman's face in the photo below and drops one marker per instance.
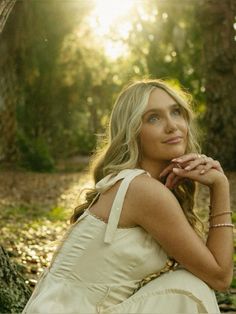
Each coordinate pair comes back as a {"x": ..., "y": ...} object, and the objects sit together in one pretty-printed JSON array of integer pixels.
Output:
[{"x": 164, "y": 129}]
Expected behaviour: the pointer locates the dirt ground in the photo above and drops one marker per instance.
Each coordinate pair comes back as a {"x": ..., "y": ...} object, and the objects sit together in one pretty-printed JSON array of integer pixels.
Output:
[{"x": 62, "y": 189}]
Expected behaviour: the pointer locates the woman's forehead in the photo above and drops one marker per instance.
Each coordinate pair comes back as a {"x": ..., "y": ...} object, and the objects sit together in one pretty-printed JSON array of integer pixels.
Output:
[
  {"x": 160, "y": 100},
  {"x": 160, "y": 96}
]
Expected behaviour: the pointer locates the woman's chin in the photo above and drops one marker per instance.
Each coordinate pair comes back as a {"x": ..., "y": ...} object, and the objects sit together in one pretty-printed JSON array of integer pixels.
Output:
[{"x": 175, "y": 153}]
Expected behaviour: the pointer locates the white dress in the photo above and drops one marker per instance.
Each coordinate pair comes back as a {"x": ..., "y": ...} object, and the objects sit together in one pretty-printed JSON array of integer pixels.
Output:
[{"x": 99, "y": 266}]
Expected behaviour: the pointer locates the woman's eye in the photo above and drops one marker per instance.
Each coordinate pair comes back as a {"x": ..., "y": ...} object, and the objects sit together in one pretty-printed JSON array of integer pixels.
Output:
[
  {"x": 177, "y": 111},
  {"x": 153, "y": 118}
]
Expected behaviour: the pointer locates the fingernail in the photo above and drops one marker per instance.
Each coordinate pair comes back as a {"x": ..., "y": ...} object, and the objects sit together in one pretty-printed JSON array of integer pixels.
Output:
[
  {"x": 176, "y": 169},
  {"x": 187, "y": 168},
  {"x": 177, "y": 159},
  {"x": 203, "y": 171}
]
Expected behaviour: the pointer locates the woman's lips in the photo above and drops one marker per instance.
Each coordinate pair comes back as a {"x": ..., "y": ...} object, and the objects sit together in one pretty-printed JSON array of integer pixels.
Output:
[{"x": 173, "y": 140}]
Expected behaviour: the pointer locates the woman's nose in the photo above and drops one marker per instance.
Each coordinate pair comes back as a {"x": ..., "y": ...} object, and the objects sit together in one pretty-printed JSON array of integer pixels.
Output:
[{"x": 170, "y": 125}]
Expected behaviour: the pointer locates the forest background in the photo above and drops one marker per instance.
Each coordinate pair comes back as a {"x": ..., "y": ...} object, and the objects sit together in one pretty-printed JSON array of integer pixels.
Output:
[{"x": 62, "y": 65}]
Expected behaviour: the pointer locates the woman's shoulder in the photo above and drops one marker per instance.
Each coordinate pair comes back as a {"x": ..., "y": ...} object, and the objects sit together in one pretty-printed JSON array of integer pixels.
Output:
[
  {"x": 146, "y": 192},
  {"x": 146, "y": 184}
]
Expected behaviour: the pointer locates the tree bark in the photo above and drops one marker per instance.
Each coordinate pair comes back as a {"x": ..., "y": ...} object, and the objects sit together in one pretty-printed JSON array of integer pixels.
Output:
[
  {"x": 9, "y": 81},
  {"x": 217, "y": 18},
  {"x": 14, "y": 293}
]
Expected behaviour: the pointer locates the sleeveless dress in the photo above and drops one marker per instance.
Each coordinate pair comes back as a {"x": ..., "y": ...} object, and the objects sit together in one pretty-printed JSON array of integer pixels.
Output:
[{"x": 99, "y": 266}]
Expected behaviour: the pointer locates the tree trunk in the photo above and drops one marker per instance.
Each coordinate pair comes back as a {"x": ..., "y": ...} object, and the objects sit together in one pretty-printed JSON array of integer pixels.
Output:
[
  {"x": 8, "y": 100},
  {"x": 9, "y": 81},
  {"x": 14, "y": 293},
  {"x": 217, "y": 18}
]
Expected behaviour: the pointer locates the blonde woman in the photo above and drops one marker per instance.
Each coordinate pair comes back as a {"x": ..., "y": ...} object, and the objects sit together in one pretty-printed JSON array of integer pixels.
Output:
[{"x": 136, "y": 245}]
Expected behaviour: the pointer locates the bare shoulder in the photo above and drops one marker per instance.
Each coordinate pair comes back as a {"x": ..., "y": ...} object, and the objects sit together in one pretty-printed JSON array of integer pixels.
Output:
[
  {"x": 146, "y": 184},
  {"x": 146, "y": 192},
  {"x": 154, "y": 207}
]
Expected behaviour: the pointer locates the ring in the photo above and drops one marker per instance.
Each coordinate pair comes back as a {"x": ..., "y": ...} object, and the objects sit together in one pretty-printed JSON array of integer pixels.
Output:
[
  {"x": 204, "y": 157},
  {"x": 178, "y": 166}
]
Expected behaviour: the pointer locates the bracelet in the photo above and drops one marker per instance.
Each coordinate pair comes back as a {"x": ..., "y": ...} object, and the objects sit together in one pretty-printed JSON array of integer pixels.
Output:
[
  {"x": 222, "y": 213},
  {"x": 221, "y": 225}
]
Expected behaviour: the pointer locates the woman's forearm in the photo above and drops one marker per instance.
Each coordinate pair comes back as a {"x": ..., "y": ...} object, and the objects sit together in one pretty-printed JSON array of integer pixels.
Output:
[{"x": 220, "y": 240}]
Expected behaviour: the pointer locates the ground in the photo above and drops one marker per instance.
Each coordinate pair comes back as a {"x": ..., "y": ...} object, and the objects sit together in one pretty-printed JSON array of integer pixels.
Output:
[{"x": 35, "y": 210}]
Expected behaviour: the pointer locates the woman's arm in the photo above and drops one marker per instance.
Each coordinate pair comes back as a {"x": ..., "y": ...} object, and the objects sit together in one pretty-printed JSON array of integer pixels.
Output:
[
  {"x": 220, "y": 240},
  {"x": 156, "y": 209}
]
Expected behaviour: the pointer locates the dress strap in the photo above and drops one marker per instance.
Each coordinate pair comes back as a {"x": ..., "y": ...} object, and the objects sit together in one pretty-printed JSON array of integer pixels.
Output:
[
  {"x": 118, "y": 204},
  {"x": 110, "y": 180}
]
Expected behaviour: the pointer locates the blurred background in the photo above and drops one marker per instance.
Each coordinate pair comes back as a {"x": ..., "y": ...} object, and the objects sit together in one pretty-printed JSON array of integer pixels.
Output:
[{"x": 62, "y": 65}]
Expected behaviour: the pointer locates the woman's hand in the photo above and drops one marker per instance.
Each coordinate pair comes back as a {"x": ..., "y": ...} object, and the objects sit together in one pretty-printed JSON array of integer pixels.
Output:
[
  {"x": 187, "y": 166},
  {"x": 209, "y": 179},
  {"x": 195, "y": 160}
]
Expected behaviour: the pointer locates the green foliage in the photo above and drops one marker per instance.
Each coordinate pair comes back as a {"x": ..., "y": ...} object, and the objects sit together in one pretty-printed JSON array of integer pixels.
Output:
[
  {"x": 85, "y": 142},
  {"x": 234, "y": 217},
  {"x": 57, "y": 213},
  {"x": 233, "y": 284},
  {"x": 68, "y": 84},
  {"x": 34, "y": 154}
]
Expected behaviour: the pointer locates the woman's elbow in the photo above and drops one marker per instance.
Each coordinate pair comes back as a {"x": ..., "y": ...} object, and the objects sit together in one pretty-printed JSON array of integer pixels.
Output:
[
  {"x": 224, "y": 282},
  {"x": 222, "y": 287}
]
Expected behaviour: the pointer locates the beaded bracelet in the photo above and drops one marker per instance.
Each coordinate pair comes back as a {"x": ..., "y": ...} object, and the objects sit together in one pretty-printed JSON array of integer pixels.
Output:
[
  {"x": 222, "y": 213},
  {"x": 221, "y": 225}
]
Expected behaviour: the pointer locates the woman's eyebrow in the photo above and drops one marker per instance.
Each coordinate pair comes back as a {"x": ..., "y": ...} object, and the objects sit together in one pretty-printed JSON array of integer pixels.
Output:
[{"x": 158, "y": 110}]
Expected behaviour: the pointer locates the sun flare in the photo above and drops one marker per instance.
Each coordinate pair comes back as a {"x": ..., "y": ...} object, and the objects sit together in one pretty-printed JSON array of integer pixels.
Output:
[
  {"x": 107, "y": 13},
  {"x": 112, "y": 16}
]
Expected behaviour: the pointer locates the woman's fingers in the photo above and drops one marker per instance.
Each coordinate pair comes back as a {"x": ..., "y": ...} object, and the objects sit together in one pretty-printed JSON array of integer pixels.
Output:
[
  {"x": 169, "y": 180},
  {"x": 167, "y": 170},
  {"x": 195, "y": 163},
  {"x": 210, "y": 164},
  {"x": 189, "y": 161},
  {"x": 206, "y": 179},
  {"x": 192, "y": 161},
  {"x": 217, "y": 166},
  {"x": 173, "y": 180},
  {"x": 185, "y": 173},
  {"x": 188, "y": 166},
  {"x": 205, "y": 168},
  {"x": 176, "y": 181},
  {"x": 187, "y": 157}
]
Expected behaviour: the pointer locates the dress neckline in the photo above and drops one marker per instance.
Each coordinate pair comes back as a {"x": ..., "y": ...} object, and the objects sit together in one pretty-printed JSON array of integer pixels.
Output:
[{"x": 99, "y": 219}]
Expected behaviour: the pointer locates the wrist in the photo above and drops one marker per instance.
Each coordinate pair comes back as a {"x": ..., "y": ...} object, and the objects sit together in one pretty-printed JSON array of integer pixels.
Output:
[{"x": 220, "y": 181}]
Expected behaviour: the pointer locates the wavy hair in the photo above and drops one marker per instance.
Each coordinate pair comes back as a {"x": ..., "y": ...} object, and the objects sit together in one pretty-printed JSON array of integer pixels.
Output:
[{"x": 120, "y": 149}]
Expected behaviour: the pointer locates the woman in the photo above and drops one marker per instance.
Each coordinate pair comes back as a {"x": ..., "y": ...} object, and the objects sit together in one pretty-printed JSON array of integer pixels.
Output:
[{"x": 135, "y": 245}]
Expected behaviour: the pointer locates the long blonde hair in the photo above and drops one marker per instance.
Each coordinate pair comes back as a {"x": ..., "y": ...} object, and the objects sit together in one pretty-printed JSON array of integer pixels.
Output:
[{"x": 120, "y": 149}]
